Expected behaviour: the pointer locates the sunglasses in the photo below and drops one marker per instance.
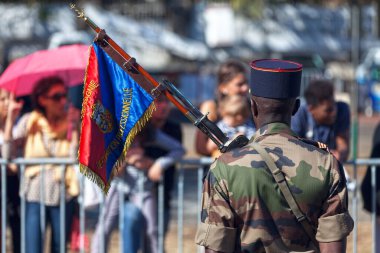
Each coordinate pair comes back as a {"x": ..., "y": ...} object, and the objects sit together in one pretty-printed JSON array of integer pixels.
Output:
[{"x": 57, "y": 96}]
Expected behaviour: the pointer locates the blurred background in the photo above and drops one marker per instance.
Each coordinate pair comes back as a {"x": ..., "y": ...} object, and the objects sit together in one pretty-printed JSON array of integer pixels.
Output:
[{"x": 185, "y": 40}]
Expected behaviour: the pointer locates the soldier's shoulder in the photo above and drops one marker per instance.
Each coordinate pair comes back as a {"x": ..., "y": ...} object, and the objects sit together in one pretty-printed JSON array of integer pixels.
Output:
[
  {"x": 317, "y": 144},
  {"x": 241, "y": 157}
]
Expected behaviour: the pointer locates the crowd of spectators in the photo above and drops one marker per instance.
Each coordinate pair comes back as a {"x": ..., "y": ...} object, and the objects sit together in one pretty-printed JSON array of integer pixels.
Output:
[{"x": 51, "y": 130}]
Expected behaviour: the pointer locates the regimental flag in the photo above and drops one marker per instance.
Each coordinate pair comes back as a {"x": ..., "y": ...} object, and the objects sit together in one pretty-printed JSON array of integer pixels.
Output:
[{"x": 114, "y": 110}]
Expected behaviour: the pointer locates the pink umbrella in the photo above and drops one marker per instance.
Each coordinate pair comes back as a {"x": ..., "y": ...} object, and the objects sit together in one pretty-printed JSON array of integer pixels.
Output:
[{"x": 68, "y": 62}]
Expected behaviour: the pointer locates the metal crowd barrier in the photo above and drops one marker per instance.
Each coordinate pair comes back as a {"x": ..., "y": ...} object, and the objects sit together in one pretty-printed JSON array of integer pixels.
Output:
[
  {"x": 187, "y": 164},
  {"x": 354, "y": 199},
  {"x": 63, "y": 162}
]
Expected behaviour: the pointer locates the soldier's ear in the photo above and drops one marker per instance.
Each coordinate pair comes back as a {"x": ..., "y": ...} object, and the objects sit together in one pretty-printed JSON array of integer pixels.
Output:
[
  {"x": 253, "y": 107},
  {"x": 296, "y": 106}
]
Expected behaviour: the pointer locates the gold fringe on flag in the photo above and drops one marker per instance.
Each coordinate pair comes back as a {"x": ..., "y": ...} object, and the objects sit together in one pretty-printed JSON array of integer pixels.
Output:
[
  {"x": 91, "y": 175},
  {"x": 131, "y": 135}
]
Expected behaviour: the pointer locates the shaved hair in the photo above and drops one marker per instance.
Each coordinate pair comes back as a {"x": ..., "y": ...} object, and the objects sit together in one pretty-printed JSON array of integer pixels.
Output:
[{"x": 272, "y": 106}]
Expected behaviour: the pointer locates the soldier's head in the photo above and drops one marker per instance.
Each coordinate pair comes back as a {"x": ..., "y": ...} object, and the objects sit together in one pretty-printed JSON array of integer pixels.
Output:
[
  {"x": 319, "y": 96},
  {"x": 275, "y": 88}
]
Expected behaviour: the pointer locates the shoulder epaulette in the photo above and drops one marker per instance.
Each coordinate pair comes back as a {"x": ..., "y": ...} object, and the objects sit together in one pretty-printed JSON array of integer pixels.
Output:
[{"x": 317, "y": 144}]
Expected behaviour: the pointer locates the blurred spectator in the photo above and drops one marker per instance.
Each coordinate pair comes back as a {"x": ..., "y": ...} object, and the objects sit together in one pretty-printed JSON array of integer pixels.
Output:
[
  {"x": 152, "y": 153},
  {"x": 9, "y": 106},
  {"x": 235, "y": 120},
  {"x": 323, "y": 119},
  {"x": 50, "y": 130},
  {"x": 155, "y": 150},
  {"x": 368, "y": 79},
  {"x": 232, "y": 80},
  {"x": 110, "y": 219},
  {"x": 366, "y": 184},
  {"x": 366, "y": 189}
]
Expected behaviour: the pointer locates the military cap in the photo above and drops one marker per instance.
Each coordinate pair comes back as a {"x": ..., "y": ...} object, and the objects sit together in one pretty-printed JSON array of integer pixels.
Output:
[{"x": 273, "y": 78}]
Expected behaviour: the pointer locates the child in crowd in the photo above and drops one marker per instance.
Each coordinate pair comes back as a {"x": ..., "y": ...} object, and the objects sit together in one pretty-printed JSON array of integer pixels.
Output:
[
  {"x": 231, "y": 80},
  {"x": 235, "y": 120}
]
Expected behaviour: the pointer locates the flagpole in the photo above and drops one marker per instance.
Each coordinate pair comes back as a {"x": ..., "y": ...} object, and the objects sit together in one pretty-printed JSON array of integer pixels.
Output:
[
  {"x": 193, "y": 114},
  {"x": 127, "y": 57},
  {"x": 85, "y": 18}
]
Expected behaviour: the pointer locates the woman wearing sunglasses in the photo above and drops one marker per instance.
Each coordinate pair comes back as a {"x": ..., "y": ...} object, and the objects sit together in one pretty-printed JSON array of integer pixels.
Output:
[{"x": 48, "y": 131}]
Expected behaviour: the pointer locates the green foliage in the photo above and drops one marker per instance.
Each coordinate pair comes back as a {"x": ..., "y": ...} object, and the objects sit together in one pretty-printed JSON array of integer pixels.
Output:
[{"x": 252, "y": 9}]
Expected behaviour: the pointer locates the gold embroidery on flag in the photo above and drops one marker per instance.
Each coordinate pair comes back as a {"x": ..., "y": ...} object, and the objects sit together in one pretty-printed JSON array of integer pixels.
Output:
[
  {"x": 88, "y": 93},
  {"x": 102, "y": 117}
]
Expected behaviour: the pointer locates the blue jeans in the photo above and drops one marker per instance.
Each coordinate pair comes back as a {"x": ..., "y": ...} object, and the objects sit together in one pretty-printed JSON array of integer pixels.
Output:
[
  {"x": 134, "y": 228},
  {"x": 34, "y": 239}
]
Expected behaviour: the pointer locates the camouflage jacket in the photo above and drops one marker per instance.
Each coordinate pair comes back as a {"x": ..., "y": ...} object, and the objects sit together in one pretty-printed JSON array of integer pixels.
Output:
[{"x": 243, "y": 209}]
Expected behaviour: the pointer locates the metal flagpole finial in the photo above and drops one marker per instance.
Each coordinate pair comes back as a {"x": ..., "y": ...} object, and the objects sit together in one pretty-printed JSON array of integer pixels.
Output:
[
  {"x": 85, "y": 18},
  {"x": 79, "y": 12}
]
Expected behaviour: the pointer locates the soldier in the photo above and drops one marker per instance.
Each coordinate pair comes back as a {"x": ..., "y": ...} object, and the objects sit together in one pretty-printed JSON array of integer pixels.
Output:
[{"x": 279, "y": 193}]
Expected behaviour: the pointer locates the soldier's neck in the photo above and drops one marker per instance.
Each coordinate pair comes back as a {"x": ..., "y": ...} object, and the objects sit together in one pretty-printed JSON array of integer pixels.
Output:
[{"x": 262, "y": 121}]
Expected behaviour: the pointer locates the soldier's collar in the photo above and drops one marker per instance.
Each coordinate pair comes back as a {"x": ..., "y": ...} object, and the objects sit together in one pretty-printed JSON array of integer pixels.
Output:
[{"x": 273, "y": 128}]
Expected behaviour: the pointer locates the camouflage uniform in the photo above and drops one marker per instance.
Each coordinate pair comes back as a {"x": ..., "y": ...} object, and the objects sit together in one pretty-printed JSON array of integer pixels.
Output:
[{"x": 243, "y": 209}]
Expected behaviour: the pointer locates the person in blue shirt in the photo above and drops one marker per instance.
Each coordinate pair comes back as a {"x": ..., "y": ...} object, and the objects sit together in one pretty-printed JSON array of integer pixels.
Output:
[{"x": 323, "y": 119}]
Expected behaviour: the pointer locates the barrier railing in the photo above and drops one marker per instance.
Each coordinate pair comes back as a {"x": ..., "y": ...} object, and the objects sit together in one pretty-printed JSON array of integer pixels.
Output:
[
  {"x": 183, "y": 166},
  {"x": 373, "y": 163}
]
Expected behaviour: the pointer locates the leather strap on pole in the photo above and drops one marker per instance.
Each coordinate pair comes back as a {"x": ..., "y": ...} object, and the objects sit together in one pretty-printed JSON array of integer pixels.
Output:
[
  {"x": 128, "y": 65},
  {"x": 281, "y": 181}
]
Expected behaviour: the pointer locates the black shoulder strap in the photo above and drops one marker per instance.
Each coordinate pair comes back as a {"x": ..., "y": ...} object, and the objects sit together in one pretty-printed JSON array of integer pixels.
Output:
[{"x": 281, "y": 181}]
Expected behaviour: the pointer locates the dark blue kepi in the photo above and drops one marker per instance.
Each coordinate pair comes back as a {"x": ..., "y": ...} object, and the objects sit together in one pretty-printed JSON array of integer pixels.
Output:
[{"x": 277, "y": 79}]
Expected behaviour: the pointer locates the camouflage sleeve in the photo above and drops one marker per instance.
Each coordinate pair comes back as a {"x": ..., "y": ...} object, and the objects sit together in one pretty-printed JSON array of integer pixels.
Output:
[
  {"x": 335, "y": 223},
  {"x": 216, "y": 230}
]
